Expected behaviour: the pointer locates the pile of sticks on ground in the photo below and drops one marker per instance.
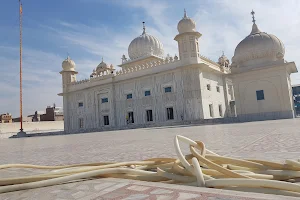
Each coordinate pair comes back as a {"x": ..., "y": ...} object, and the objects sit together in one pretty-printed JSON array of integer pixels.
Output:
[{"x": 202, "y": 168}]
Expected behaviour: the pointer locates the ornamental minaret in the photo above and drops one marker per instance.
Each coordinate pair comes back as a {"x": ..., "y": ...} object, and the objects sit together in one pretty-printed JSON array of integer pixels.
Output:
[
  {"x": 68, "y": 76},
  {"x": 188, "y": 44},
  {"x": 68, "y": 73}
]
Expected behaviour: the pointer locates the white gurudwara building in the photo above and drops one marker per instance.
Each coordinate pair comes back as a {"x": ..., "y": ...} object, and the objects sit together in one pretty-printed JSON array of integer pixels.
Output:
[{"x": 151, "y": 89}]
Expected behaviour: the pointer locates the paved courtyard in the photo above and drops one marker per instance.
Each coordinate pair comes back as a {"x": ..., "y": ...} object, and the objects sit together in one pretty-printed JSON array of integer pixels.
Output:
[{"x": 273, "y": 140}]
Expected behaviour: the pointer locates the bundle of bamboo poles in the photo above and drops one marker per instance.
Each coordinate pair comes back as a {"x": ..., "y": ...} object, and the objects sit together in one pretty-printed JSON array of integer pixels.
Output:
[{"x": 202, "y": 168}]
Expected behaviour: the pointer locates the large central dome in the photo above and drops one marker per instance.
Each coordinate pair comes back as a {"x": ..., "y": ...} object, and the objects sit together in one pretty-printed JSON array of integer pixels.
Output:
[
  {"x": 145, "y": 45},
  {"x": 258, "y": 48}
]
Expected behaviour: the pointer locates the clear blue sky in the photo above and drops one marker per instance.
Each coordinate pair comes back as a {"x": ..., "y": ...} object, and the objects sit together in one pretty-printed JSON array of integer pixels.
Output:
[{"x": 91, "y": 29}]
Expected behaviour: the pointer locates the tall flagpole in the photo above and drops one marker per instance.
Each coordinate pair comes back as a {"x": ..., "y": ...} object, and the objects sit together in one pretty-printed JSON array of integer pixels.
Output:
[
  {"x": 21, "y": 133},
  {"x": 21, "y": 106}
]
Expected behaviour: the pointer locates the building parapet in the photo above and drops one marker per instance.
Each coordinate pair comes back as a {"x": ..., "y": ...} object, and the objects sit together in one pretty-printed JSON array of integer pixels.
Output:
[
  {"x": 105, "y": 75},
  {"x": 93, "y": 79},
  {"x": 147, "y": 65},
  {"x": 128, "y": 60},
  {"x": 136, "y": 68},
  {"x": 208, "y": 61}
]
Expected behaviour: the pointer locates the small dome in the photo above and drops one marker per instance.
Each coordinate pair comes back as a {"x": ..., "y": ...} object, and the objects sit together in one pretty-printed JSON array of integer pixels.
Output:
[
  {"x": 223, "y": 60},
  {"x": 102, "y": 66},
  {"x": 186, "y": 24},
  {"x": 93, "y": 73},
  {"x": 68, "y": 64},
  {"x": 258, "y": 48},
  {"x": 145, "y": 45}
]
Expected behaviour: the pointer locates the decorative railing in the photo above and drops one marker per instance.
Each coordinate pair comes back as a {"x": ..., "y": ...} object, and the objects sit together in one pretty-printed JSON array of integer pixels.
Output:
[
  {"x": 209, "y": 60},
  {"x": 102, "y": 75},
  {"x": 139, "y": 67},
  {"x": 147, "y": 65},
  {"x": 223, "y": 68},
  {"x": 80, "y": 82},
  {"x": 158, "y": 54}
]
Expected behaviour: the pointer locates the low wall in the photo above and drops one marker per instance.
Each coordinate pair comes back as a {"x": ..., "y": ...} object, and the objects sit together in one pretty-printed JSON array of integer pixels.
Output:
[
  {"x": 56, "y": 127},
  {"x": 9, "y": 129},
  {"x": 226, "y": 120},
  {"x": 267, "y": 116}
]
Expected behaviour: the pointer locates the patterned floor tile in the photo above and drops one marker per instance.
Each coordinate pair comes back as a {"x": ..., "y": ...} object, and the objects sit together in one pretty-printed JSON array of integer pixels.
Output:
[
  {"x": 163, "y": 197},
  {"x": 138, "y": 188},
  {"x": 185, "y": 196},
  {"x": 136, "y": 197},
  {"x": 272, "y": 140},
  {"x": 161, "y": 191}
]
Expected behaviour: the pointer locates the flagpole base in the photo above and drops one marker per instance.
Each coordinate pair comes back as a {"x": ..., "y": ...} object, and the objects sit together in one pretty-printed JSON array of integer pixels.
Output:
[{"x": 21, "y": 134}]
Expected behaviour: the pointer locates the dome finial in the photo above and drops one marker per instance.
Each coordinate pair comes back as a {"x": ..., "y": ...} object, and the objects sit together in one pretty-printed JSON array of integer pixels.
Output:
[
  {"x": 223, "y": 53},
  {"x": 102, "y": 58},
  {"x": 254, "y": 26},
  {"x": 144, "y": 28},
  {"x": 253, "y": 18},
  {"x": 184, "y": 16}
]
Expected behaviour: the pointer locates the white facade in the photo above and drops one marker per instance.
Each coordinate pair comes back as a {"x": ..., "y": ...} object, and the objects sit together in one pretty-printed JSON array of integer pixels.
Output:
[{"x": 151, "y": 89}]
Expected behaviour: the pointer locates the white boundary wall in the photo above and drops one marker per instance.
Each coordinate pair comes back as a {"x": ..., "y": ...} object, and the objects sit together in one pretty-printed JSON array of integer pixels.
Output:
[{"x": 9, "y": 129}]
